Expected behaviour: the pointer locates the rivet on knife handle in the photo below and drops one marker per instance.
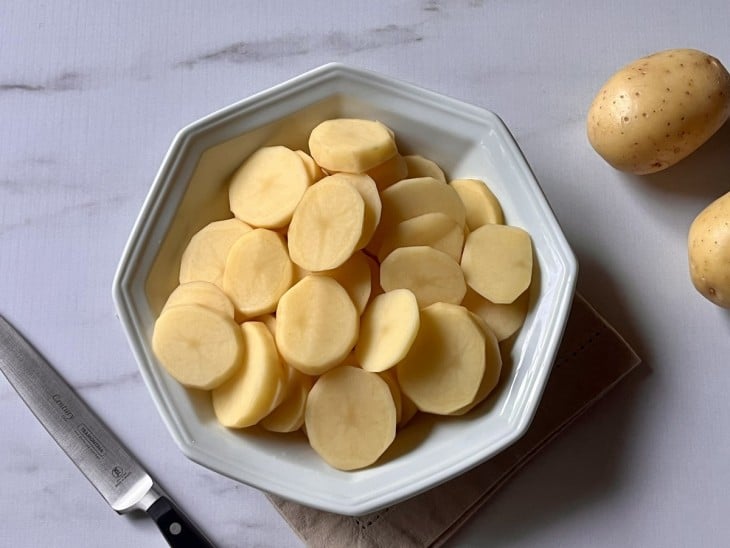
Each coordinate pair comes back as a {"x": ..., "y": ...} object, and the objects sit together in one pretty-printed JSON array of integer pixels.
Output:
[{"x": 175, "y": 527}]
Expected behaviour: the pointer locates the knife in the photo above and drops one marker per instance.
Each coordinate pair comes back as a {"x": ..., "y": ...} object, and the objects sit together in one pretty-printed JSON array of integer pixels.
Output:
[{"x": 95, "y": 450}]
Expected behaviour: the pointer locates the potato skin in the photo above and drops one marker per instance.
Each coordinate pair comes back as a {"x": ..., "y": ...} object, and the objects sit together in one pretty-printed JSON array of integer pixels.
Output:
[
  {"x": 709, "y": 251},
  {"x": 657, "y": 110}
]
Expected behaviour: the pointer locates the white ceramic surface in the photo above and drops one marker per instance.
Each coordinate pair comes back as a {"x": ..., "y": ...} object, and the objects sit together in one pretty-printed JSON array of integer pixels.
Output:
[{"x": 190, "y": 191}]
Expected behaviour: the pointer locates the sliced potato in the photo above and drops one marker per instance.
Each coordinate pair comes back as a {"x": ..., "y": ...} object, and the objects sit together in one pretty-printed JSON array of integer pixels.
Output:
[
  {"x": 389, "y": 172},
  {"x": 392, "y": 382},
  {"x": 251, "y": 393},
  {"x": 444, "y": 368},
  {"x": 258, "y": 272},
  {"x": 418, "y": 166},
  {"x": 413, "y": 197},
  {"x": 492, "y": 367},
  {"x": 350, "y": 359},
  {"x": 497, "y": 262},
  {"x": 203, "y": 293},
  {"x": 435, "y": 230},
  {"x": 355, "y": 276},
  {"x": 430, "y": 274},
  {"x": 199, "y": 347},
  {"x": 300, "y": 272},
  {"x": 388, "y": 328},
  {"x": 371, "y": 199},
  {"x": 375, "y": 287},
  {"x": 205, "y": 256},
  {"x": 482, "y": 206},
  {"x": 269, "y": 320},
  {"x": 288, "y": 416},
  {"x": 327, "y": 225},
  {"x": 316, "y": 325},
  {"x": 350, "y": 417},
  {"x": 503, "y": 319},
  {"x": 314, "y": 171},
  {"x": 267, "y": 187},
  {"x": 408, "y": 409},
  {"x": 351, "y": 145}
]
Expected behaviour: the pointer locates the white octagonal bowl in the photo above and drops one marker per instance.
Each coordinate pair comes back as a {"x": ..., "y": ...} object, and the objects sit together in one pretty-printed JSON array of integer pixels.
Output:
[{"x": 190, "y": 191}]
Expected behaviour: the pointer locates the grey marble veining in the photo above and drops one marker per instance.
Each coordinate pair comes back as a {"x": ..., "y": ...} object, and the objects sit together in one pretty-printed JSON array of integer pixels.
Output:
[
  {"x": 334, "y": 43},
  {"x": 65, "y": 81}
]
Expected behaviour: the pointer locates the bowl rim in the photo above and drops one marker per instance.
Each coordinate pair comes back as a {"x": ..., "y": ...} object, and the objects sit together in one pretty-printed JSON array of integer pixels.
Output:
[{"x": 121, "y": 288}]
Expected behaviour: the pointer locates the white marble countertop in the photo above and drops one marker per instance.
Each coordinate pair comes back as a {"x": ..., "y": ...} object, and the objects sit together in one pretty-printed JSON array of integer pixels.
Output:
[{"x": 91, "y": 94}]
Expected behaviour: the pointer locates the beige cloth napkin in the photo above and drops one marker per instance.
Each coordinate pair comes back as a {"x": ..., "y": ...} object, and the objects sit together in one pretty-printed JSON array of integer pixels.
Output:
[{"x": 591, "y": 360}]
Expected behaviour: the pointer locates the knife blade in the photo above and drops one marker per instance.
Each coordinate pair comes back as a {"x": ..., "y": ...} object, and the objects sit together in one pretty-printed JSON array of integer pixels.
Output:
[{"x": 95, "y": 450}]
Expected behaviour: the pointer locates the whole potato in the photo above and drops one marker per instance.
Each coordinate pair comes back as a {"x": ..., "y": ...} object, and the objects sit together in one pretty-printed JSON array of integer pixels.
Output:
[
  {"x": 659, "y": 109},
  {"x": 709, "y": 251}
]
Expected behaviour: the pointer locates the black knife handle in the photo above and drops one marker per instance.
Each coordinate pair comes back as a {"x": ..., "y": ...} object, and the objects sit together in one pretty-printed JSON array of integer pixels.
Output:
[{"x": 178, "y": 530}]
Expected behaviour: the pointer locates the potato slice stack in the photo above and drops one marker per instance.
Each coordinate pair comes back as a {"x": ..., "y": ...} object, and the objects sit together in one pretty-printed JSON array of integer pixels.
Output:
[{"x": 353, "y": 288}]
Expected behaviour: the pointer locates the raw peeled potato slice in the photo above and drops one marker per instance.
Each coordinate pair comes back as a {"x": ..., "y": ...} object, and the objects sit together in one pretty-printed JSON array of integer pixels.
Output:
[
  {"x": 387, "y": 330},
  {"x": 267, "y": 187},
  {"x": 435, "y": 230},
  {"x": 258, "y": 272},
  {"x": 205, "y": 256},
  {"x": 389, "y": 172},
  {"x": 375, "y": 287},
  {"x": 251, "y": 393},
  {"x": 492, "y": 366},
  {"x": 327, "y": 225},
  {"x": 314, "y": 171},
  {"x": 202, "y": 293},
  {"x": 299, "y": 272},
  {"x": 482, "y": 206},
  {"x": 316, "y": 325},
  {"x": 444, "y": 368},
  {"x": 392, "y": 382},
  {"x": 355, "y": 276},
  {"x": 430, "y": 274},
  {"x": 413, "y": 197},
  {"x": 408, "y": 409},
  {"x": 350, "y": 417},
  {"x": 289, "y": 414},
  {"x": 198, "y": 346},
  {"x": 418, "y": 166},
  {"x": 371, "y": 199},
  {"x": 351, "y": 145},
  {"x": 497, "y": 262},
  {"x": 503, "y": 319}
]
